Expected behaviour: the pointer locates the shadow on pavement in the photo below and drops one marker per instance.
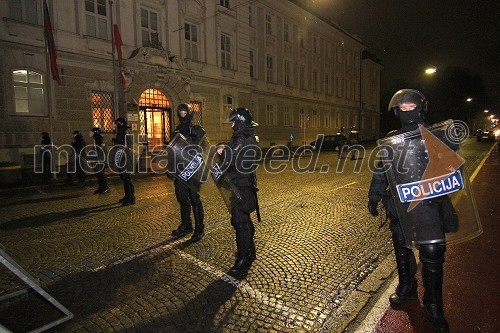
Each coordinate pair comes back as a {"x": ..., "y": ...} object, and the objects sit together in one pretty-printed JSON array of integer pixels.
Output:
[
  {"x": 44, "y": 219},
  {"x": 39, "y": 200}
]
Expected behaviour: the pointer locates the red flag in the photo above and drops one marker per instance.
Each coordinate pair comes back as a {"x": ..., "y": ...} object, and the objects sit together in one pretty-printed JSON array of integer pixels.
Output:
[
  {"x": 49, "y": 37},
  {"x": 118, "y": 44}
]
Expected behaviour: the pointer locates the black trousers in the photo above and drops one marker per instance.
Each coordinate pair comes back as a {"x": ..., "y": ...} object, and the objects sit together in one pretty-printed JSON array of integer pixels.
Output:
[
  {"x": 189, "y": 198},
  {"x": 128, "y": 186}
]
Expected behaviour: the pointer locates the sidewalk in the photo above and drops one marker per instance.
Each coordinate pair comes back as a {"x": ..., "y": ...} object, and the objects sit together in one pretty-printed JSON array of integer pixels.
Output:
[{"x": 470, "y": 288}]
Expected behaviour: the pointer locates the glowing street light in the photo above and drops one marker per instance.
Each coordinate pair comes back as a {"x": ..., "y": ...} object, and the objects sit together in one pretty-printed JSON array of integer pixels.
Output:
[
  {"x": 469, "y": 99},
  {"x": 430, "y": 70},
  {"x": 486, "y": 111}
]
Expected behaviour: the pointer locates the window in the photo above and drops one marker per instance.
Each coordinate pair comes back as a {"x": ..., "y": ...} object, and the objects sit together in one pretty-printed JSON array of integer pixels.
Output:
[
  {"x": 269, "y": 24},
  {"x": 197, "y": 112},
  {"x": 24, "y": 10},
  {"x": 191, "y": 41},
  {"x": 340, "y": 87},
  {"x": 227, "y": 105},
  {"x": 338, "y": 122},
  {"x": 96, "y": 19},
  {"x": 338, "y": 54},
  {"x": 302, "y": 79},
  {"x": 328, "y": 119},
  {"x": 301, "y": 42},
  {"x": 315, "y": 81},
  {"x": 253, "y": 69},
  {"x": 302, "y": 118},
  {"x": 287, "y": 74},
  {"x": 224, "y": 3},
  {"x": 315, "y": 45},
  {"x": 348, "y": 89},
  {"x": 328, "y": 84},
  {"x": 251, "y": 18},
  {"x": 225, "y": 50},
  {"x": 287, "y": 116},
  {"x": 269, "y": 69},
  {"x": 149, "y": 27},
  {"x": 270, "y": 115},
  {"x": 102, "y": 110},
  {"x": 315, "y": 118},
  {"x": 29, "y": 97},
  {"x": 286, "y": 32},
  {"x": 328, "y": 50}
]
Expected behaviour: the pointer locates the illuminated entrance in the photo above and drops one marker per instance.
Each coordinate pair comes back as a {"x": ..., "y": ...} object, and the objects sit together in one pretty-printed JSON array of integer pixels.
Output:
[{"x": 156, "y": 119}]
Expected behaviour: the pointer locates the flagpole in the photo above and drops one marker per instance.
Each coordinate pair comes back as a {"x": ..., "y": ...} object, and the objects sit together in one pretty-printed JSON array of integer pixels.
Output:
[
  {"x": 49, "y": 102},
  {"x": 115, "y": 85}
]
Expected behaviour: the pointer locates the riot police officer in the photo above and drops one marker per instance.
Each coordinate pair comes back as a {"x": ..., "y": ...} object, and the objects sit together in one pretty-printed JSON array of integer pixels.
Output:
[
  {"x": 102, "y": 182},
  {"x": 122, "y": 127},
  {"x": 46, "y": 151},
  {"x": 187, "y": 197},
  {"x": 239, "y": 159},
  {"x": 78, "y": 144},
  {"x": 410, "y": 106}
]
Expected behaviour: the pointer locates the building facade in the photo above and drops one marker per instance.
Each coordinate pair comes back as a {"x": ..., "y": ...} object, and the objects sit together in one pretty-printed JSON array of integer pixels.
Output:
[{"x": 300, "y": 75}]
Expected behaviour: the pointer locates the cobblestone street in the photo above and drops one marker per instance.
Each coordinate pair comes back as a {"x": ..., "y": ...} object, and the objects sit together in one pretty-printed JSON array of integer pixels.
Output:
[{"x": 321, "y": 257}]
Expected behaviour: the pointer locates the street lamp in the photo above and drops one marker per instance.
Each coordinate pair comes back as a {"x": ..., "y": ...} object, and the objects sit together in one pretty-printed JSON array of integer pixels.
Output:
[
  {"x": 469, "y": 99},
  {"x": 430, "y": 70}
]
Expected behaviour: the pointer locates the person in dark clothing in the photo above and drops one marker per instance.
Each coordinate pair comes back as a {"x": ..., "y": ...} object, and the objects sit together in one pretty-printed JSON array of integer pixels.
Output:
[
  {"x": 75, "y": 163},
  {"x": 410, "y": 107},
  {"x": 239, "y": 160},
  {"x": 187, "y": 197},
  {"x": 122, "y": 127},
  {"x": 46, "y": 151},
  {"x": 102, "y": 182}
]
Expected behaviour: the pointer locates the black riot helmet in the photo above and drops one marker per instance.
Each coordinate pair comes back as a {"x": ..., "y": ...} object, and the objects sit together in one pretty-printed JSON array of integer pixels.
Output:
[
  {"x": 242, "y": 118},
  {"x": 402, "y": 105},
  {"x": 189, "y": 113},
  {"x": 95, "y": 131},
  {"x": 77, "y": 135},
  {"x": 121, "y": 123}
]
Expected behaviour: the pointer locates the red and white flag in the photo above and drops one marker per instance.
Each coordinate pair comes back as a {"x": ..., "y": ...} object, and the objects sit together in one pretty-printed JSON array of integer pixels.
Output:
[
  {"x": 49, "y": 37},
  {"x": 118, "y": 44}
]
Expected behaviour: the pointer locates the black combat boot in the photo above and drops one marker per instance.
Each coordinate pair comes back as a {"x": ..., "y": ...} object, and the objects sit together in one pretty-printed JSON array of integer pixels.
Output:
[
  {"x": 407, "y": 267},
  {"x": 182, "y": 230},
  {"x": 199, "y": 227},
  {"x": 241, "y": 267},
  {"x": 432, "y": 257}
]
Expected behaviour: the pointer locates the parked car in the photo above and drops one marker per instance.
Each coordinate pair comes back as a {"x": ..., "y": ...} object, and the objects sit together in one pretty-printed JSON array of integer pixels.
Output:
[
  {"x": 488, "y": 136},
  {"x": 330, "y": 142}
]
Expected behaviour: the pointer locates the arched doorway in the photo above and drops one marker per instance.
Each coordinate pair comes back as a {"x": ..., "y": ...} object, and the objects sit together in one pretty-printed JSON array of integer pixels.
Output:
[{"x": 156, "y": 119}]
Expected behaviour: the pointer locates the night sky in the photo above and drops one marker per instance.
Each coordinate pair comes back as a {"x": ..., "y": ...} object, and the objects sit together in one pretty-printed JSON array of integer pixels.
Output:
[{"x": 408, "y": 36}]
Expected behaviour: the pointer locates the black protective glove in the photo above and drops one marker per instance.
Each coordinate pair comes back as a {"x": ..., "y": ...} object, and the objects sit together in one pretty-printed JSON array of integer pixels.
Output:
[{"x": 372, "y": 207}]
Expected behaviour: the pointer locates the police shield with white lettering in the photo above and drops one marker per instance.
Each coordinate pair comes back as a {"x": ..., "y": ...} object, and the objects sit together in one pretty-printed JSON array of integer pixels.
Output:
[
  {"x": 429, "y": 186},
  {"x": 185, "y": 162}
]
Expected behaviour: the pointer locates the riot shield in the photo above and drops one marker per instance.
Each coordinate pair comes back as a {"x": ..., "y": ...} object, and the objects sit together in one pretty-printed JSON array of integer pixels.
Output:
[
  {"x": 429, "y": 185},
  {"x": 225, "y": 185},
  {"x": 185, "y": 162}
]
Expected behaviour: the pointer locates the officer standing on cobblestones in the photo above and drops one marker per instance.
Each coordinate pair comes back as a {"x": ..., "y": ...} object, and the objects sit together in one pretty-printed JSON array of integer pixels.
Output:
[
  {"x": 78, "y": 144},
  {"x": 102, "y": 188},
  {"x": 186, "y": 196},
  {"x": 122, "y": 127},
  {"x": 239, "y": 159},
  {"x": 46, "y": 152},
  {"x": 410, "y": 107}
]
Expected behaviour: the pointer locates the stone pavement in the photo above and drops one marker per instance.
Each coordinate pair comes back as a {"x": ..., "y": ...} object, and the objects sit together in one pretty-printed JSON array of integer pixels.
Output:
[{"x": 321, "y": 258}]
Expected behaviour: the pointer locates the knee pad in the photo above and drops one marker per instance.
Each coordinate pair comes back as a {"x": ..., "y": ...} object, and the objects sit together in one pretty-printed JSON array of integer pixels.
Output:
[{"x": 432, "y": 253}]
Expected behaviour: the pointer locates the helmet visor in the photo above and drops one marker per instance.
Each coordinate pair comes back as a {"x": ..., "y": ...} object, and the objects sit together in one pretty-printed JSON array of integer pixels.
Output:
[{"x": 406, "y": 97}]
